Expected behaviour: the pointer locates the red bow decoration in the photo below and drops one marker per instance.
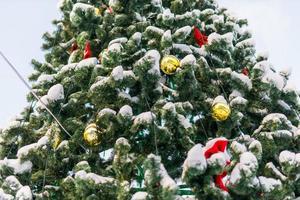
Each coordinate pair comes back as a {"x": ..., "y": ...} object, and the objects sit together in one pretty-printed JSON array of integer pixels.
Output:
[
  {"x": 110, "y": 10},
  {"x": 200, "y": 38},
  {"x": 87, "y": 51},
  {"x": 215, "y": 146},
  {"x": 74, "y": 47},
  {"x": 245, "y": 71}
]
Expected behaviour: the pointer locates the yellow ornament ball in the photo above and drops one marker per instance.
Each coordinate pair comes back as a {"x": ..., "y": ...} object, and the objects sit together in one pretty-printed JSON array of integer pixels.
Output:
[
  {"x": 56, "y": 140},
  {"x": 169, "y": 64},
  {"x": 91, "y": 135},
  {"x": 220, "y": 111},
  {"x": 97, "y": 12}
]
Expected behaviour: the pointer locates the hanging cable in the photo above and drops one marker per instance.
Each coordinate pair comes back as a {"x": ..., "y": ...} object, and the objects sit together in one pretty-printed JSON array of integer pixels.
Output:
[
  {"x": 35, "y": 95},
  {"x": 153, "y": 124}
]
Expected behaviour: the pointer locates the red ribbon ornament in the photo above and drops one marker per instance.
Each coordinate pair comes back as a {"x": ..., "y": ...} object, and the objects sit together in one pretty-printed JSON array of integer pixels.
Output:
[
  {"x": 87, "y": 51},
  {"x": 200, "y": 38},
  {"x": 215, "y": 146}
]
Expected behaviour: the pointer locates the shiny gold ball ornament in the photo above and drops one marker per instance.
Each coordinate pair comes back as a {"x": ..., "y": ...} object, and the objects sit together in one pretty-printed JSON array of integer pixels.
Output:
[
  {"x": 220, "y": 111},
  {"x": 169, "y": 64},
  {"x": 97, "y": 12},
  {"x": 91, "y": 135},
  {"x": 56, "y": 140}
]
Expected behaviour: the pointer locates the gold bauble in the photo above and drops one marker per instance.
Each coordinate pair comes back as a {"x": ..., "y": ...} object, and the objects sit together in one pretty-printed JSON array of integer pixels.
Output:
[
  {"x": 169, "y": 64},
  {"x": 97, "y": 12},
  {"x": 56, "y": 140},
  {"x": 220, "y": 111},
  {"x": 91, "y": 135}
]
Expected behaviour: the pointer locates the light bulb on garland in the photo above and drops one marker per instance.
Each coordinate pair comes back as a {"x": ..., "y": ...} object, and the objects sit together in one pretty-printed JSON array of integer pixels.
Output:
[
  {"x": 91, "y": 135},
  {"x": 220, "y": 109},
  {"x": 169, "y": 64}
]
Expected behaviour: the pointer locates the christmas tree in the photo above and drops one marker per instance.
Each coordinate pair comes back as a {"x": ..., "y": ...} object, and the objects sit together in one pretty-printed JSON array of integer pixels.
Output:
[{"x": 153, "y": 99}]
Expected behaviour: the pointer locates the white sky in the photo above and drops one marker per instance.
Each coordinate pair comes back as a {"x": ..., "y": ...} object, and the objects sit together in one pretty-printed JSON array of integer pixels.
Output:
[{"x": 275, "y": 25}]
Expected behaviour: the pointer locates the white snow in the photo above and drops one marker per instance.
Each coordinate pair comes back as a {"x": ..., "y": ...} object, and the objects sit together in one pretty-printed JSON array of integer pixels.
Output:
[
  {"x": 256, "y": 147},
  {"x": 284, "y": 105},
  {"x": 269, "y": 184},
  {"x": 153, "y": 57},
  {"x": 129, "y": 74},
  {"x": 238, "y": 101},
  {"x": 274, "y": 118},
  {"x": 80, "y": 7},
  {"x": 106, "y": 111},
  {"x": 4, "y": 196},
  {"x": 195, "y": 160},
  {"x": 115, "y": 47},
  {"x": 188, "y": 60},
  {"x": 117, "y": 73},
  {"x": 238, "y": 148},
  {"x": 12, "y": 125},
  {"x": 235, "y": 175},
  {"x": 184, "y": 122},
  {"x": 153, "y": 29},
  {"x": 242, "y": 78},
  {"x": 99, "y": 83},
  {"x": 290, "y": 88},
  {"x": 60, "y": 4},
  {"x": 89, "y": 62},
  {"x": 44, "y": 100},
  {"x": 287, "y": 157},
  {"x": 277, "y": 173},
  {"x": 166, "y": 181},
  {"x": 249, "y": 159},
  {"x": 56, "y": 93},
  {"x": 140, "y": 196},
  {"x": 93, "y": 177},
  {"x": 63, "y": 144},
  {"x": 137, "y": 37},
  {"x": 67, "y": 68},
  {"x": 224, "y": 71},
  {"x": 207, "y": 12},
  {"x": 183, "y": 32},
  {"x": 17, "y": 165},
  {"x": 215, "y": 37},
  {"x": 218, "y": 19},
  {"x": 169, "y": 107},
  {"x": 24, "y": 193},
  {"x": 124, "y": 95},
  {"x": 217, "y": 160},
  {"x": 269, "y": 75},
  {"x": 246, "y": 43},
  {"x": 198, "y": 51},
  {"x": 13, "y": 183},
  {"x": 126, "y": 111},
  {"x": 264, "y": 55},
  {"x": 182, "y": 48},
  {"x": 122, "y": 141},
  {"x": 144, "y": 118},
  {"x": 121, "y": 40},
  {"x": 286, "y": 72},
  {"x": 167, "y": 15},
  {"x": 219, "y": 99},
  {"x": 45, "y": 78},
  {"x": 23, "y": 151}
]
